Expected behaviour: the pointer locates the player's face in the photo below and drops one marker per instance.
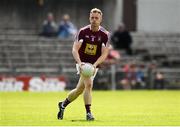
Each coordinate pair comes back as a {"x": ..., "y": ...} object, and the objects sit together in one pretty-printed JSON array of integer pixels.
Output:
[{"x": 95, "y": 19}]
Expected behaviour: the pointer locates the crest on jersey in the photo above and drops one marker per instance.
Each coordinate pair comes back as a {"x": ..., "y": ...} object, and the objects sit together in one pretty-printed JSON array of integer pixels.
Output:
[
  {"x": 92, "y": 37},
  {"x": 99, "y": 38},
  {"x": 90, "y": 49},
  {"x": 87, "y": 36}
]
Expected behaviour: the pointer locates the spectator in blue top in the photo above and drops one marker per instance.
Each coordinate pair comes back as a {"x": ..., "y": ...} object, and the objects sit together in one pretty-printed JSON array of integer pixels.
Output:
[{"x": 66, "y": 28}]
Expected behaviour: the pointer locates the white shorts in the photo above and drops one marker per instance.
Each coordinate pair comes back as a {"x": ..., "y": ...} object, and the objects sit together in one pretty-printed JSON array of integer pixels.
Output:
[{"x": 92, "y": 77}]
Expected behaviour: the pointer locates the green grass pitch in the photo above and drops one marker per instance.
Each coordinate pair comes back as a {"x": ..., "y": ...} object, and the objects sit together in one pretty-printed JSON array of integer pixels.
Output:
[{"x": 116, "y": 108}]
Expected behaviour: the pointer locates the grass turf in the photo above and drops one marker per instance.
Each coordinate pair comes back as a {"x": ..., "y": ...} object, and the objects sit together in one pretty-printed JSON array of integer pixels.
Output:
[{"x": 109, "y": 108}]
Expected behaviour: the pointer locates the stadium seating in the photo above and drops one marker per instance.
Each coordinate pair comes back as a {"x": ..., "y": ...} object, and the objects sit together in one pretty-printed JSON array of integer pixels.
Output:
[
  {"x": 162, "y": 47},
  {"x": 24, "y": 52}
]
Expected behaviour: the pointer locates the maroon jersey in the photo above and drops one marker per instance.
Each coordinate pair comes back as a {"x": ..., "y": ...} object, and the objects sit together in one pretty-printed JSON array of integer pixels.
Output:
[{"x": 92, "y": 43}]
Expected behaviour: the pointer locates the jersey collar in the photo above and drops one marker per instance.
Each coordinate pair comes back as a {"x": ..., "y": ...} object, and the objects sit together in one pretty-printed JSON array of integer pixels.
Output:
[{"x": 91, "y": 29}]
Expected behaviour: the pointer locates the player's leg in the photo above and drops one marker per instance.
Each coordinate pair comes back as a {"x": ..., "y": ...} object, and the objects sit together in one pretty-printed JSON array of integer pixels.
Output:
[
  {"x": 88, "y": 83},
  {"x": 77, "y": 91},
  {"x": 71, "y": 97}
]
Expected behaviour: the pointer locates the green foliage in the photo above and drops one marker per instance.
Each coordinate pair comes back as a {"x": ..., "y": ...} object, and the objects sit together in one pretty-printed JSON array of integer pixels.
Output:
[{"x": 124, "y": 108}]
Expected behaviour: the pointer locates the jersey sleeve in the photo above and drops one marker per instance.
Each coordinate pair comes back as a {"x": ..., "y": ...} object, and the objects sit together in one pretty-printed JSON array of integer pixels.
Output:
[
  {"x": 106, "y": 43},
  {"x": 79, "y": 36}
]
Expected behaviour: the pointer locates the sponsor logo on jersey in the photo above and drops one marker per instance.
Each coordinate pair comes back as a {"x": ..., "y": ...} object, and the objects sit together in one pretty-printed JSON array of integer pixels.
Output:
[{"x": 90, "y": 49}]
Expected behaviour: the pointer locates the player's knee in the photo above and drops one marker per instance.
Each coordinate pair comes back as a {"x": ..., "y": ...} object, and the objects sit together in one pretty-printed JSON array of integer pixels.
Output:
[{"x": 88, "y": 85}]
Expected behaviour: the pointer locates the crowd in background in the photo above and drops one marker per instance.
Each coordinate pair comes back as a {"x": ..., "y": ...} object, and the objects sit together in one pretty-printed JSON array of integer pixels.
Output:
[
  {"x": 65, "y": 29},
  {"x": 121, "y": 40}
]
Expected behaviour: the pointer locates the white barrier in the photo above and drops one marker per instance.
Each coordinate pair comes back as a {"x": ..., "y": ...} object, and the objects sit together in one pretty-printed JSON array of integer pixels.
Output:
[{"x": 37, "y": 84}]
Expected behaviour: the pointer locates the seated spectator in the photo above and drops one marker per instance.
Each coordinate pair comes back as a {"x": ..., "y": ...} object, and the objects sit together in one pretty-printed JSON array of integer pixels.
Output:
[
  {"x": 140, "y": 77},
  {"x": 49, "y": 26},
  {"x": 103, "y": 79},
  {"x": 122, "y": 39},
  {"x": 112, "y": 58},
  {"x": 134, "y": 77},
  {"x": 159, "y": 81},
  {"x": 66, "y": 28},
  {"x": 130, "y": 76}
]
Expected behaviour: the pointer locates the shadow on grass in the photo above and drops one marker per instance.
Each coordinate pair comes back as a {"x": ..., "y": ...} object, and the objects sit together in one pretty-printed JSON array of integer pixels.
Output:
[{"x": 82, "y": 120}]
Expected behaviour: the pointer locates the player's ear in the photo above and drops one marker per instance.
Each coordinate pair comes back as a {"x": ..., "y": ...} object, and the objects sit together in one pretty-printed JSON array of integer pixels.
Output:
[
  {"x": 101, "y": 18},
  {"x": 90, "y": 17}
]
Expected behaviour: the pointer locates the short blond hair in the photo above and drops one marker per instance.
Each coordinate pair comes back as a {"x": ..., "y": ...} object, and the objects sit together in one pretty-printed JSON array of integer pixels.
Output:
[{"x": 96, "y": 10}]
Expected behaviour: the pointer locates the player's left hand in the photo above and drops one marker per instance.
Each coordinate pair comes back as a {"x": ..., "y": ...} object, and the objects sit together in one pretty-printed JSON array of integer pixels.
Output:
[{"x": 94, "y": 68}]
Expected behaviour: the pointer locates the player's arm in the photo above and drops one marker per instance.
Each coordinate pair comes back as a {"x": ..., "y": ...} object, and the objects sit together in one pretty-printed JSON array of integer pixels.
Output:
[
  {"x": 105, "y": 52},
  {"x": 75, "y": 49}
]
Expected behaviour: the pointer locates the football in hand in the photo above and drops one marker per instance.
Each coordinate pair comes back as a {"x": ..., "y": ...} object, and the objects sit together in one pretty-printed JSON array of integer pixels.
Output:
[{"x": 87, "y": 70}]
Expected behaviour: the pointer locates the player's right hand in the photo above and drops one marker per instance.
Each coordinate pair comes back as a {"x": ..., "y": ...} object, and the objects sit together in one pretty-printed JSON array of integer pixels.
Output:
[{"x": 80, "y": 66}]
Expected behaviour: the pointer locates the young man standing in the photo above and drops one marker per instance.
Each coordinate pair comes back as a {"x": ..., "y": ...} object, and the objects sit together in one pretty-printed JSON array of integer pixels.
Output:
[{"x": 91, "y": 46}]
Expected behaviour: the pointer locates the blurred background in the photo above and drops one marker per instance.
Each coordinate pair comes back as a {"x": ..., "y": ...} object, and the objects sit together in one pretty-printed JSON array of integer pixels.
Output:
[{"x": 36, "y": 38}]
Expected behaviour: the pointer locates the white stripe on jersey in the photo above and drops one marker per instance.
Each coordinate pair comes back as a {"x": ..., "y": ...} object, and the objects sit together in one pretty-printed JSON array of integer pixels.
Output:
[
  {"x": 85, "y": 27},
  {"x": 108, "y": 34}
]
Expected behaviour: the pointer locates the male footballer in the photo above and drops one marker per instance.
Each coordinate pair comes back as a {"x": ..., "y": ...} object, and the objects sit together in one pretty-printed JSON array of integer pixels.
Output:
[{"x": 90, "y": 46}]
